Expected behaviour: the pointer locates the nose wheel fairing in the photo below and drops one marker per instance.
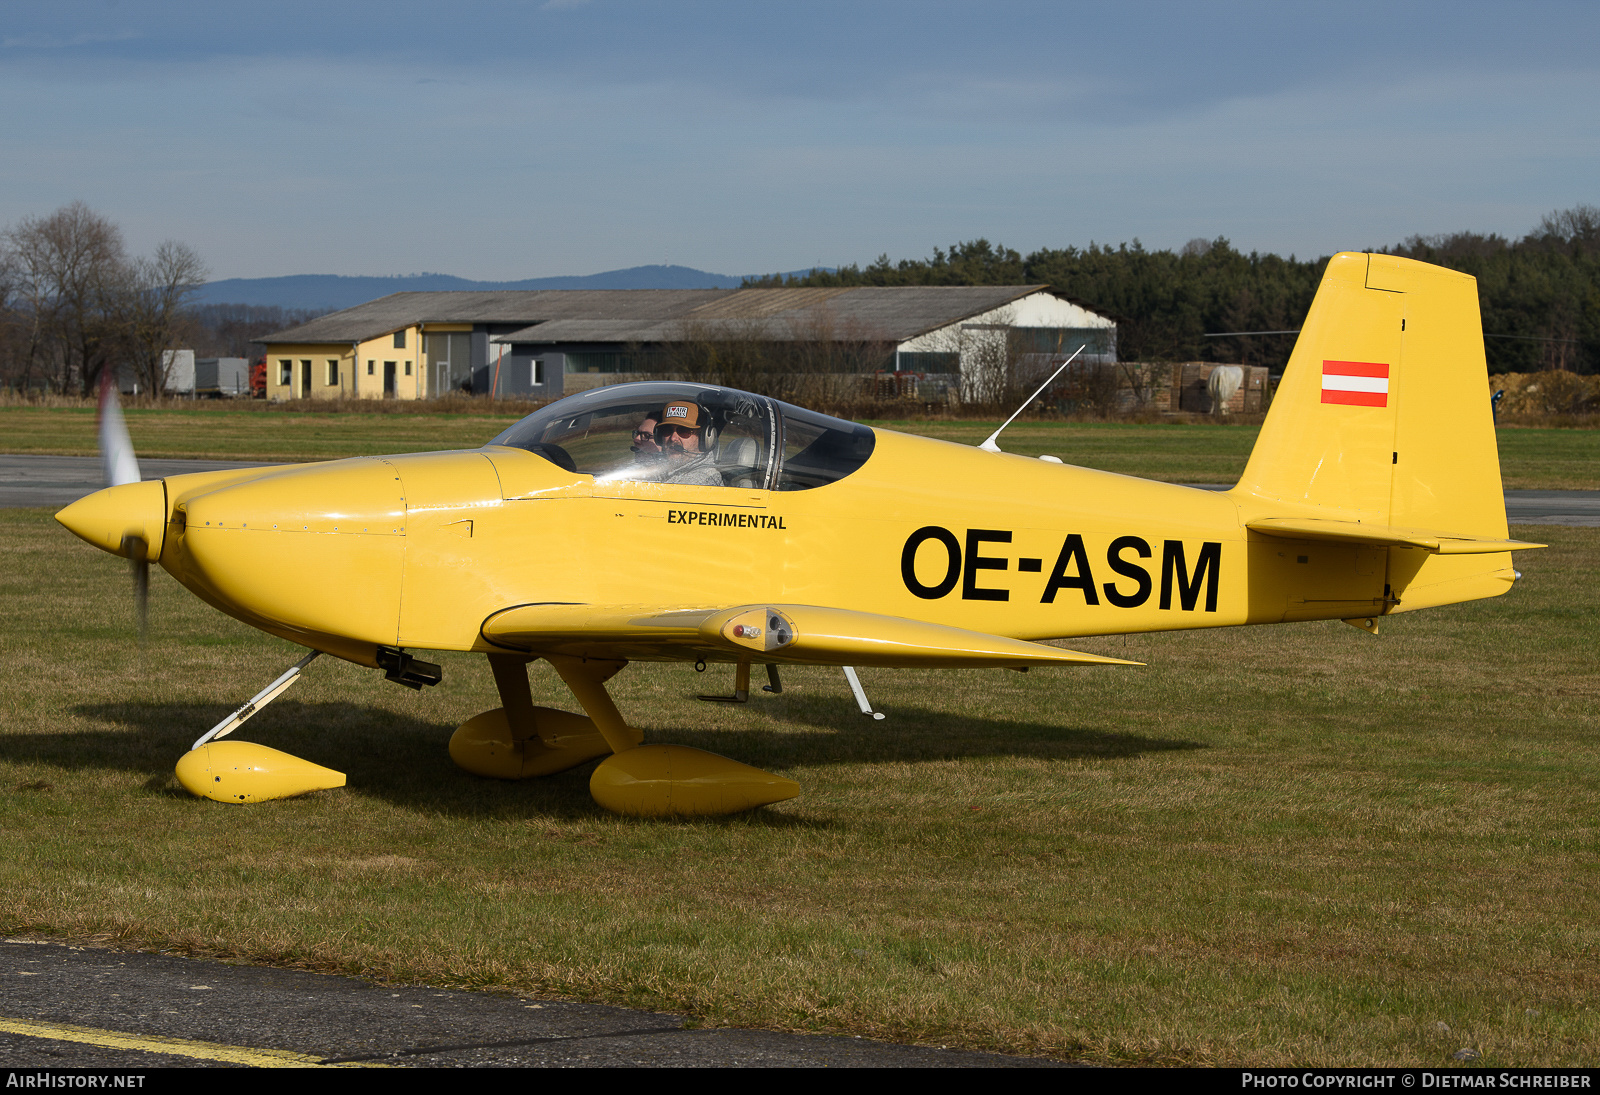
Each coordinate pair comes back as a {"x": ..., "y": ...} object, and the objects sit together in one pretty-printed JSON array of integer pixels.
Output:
[{"x": 242, "y": 771}]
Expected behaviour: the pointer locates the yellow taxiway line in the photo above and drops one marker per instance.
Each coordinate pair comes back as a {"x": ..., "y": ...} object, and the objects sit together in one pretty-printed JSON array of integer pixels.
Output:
[{"x": 173, "y": 1047}]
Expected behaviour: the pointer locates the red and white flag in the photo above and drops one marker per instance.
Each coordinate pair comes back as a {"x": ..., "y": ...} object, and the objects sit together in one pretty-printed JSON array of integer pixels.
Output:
[{"x": 1355, "y": 383}]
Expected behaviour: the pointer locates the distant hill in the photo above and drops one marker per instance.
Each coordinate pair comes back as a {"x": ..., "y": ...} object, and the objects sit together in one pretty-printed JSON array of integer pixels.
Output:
[{"x": 333, "y": 291}]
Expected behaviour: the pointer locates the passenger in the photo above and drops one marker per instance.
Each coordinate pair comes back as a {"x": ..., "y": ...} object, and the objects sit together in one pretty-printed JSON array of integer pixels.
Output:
[
  {"x": 644, "y": 435},
  {"x": 682, "y": 434},
  {"x": 648, "y": 459}
]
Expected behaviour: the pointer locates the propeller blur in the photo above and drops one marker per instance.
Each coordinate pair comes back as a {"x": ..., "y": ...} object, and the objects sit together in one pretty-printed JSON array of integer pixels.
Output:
[{"x": 121, "y": 467}]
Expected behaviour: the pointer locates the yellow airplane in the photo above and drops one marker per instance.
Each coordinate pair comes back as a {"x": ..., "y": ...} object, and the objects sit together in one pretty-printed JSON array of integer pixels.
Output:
[{"x": 688, "y": 522}]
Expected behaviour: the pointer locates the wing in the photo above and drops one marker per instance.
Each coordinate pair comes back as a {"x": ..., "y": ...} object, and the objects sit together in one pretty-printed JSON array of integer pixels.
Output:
[{"x": 786, "y": 634}]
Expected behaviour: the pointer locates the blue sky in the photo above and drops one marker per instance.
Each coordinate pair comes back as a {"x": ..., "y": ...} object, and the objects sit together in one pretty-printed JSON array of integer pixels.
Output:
[{"x": 503, "y": 141}]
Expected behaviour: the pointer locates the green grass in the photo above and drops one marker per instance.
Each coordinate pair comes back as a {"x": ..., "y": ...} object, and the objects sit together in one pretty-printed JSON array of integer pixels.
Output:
[
  {"x": 1546, "y": 459},
  {"x": 1531, "y": 458},
  {"x": 1271, "y": 846}
]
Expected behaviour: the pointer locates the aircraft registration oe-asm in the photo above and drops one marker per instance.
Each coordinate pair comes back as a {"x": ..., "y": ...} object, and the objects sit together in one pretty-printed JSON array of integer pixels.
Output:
[{"x": 1373, "y": 488}]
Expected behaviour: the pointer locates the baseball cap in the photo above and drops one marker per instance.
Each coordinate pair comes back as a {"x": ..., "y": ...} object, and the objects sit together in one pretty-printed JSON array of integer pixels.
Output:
[{"x": 681, "y": 413}]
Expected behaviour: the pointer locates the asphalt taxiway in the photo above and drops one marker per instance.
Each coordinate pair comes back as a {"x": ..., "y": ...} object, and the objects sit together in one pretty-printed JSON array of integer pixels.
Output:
[
  {"x": 28, "y": 480},
  {"x": 72, "y": 1007}
]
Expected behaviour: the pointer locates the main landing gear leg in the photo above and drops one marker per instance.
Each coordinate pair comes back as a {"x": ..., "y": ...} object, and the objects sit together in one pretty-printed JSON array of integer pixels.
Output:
[
  {"x": 587, "y": 677},
  {"x": 661, "y": 780},
  {"x": 518, "y": 740}
]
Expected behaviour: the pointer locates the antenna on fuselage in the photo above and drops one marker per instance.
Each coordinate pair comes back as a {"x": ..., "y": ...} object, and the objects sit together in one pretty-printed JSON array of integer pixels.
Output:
[{"x": 989, "y": 445}]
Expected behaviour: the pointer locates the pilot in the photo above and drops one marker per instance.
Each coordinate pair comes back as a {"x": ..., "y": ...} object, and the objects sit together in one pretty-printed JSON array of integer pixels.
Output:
[{"x": 682, "y": 435}]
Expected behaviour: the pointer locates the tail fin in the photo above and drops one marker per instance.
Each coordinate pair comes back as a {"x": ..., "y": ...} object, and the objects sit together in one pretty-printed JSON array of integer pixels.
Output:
[
  {"x": 1381, "y": 432},
  {"x": 1383, "y": 413}
]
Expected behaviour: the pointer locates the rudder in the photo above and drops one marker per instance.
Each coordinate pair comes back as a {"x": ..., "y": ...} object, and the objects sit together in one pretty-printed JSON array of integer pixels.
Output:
[
  {"x": 1381, "y": 434},
  {"x": 1383, "y": 414}
]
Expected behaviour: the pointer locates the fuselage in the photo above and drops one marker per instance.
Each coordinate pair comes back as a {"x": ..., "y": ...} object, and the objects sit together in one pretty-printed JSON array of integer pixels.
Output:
[{"x": 419, "y": 550}]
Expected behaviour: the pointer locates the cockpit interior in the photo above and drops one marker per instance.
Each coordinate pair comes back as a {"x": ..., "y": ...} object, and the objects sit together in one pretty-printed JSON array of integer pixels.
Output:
[{"x": 622, "y": 433}]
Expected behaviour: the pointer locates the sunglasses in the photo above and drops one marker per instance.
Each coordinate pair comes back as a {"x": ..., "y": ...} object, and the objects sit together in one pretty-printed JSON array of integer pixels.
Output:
[{"x": 675, "y": 431}]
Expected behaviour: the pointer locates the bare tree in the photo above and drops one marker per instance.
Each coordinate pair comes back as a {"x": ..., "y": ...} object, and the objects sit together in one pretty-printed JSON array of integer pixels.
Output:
[
  {"x": 150, "y": 307},
  {"x": 230, "y": 330},
  {"x": 70, "y": 267},
  {"x": 723, "y": 351},
  {"x": 1578, "y": 228},
  {"x": 73, "y": 305},
  {"x": 28, "y": 308},
  {"x": 1002, "y": 364},
  {"x": 13, "y": 325},
  {"x": 986, "y": 356},
  {"x": 821, "y": 359},
  {"x": 812, "y": 357}
]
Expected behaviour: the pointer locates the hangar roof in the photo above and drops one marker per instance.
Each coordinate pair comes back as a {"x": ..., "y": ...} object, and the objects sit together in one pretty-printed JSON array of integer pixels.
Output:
[
  {"x": 521, "y": 306},
  {"x": 667, "y": 315},
  {"x": 896, "y": 314}
]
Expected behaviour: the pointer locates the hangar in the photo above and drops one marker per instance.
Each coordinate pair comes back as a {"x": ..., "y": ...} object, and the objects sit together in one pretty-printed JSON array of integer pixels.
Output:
[{"x": 545, "y": 344}]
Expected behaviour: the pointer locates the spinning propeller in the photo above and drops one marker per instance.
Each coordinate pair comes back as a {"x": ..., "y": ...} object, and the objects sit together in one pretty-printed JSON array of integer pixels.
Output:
[{"x": 121, "y": 466}]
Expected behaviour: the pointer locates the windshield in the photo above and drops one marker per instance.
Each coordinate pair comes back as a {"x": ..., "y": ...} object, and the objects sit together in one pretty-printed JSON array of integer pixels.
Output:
[
  {"x": 698, "y": 434},
  {"x": 819, "y": 449}
]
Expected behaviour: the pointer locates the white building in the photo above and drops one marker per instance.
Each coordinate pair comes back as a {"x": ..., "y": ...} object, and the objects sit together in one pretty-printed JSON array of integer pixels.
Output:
[{"x": 543, "y": 344}]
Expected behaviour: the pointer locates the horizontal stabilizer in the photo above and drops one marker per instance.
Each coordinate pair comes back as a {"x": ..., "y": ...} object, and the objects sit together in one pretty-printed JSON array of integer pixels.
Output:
[
  {"x": 789, "y": 634},
  {"x": 1357, "y": 532}
]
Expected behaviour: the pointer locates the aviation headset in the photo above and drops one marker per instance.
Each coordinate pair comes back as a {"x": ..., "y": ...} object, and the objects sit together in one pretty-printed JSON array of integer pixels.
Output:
[{"x": 688, "y": 414}]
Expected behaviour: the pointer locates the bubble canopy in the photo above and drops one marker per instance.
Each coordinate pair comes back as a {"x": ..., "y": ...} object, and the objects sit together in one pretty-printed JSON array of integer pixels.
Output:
[{"x": 626, "y": 432}]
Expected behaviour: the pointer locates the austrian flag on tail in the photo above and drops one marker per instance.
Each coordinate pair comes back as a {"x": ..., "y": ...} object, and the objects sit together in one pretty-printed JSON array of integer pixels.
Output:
[{"x": 1357, "y": 383}]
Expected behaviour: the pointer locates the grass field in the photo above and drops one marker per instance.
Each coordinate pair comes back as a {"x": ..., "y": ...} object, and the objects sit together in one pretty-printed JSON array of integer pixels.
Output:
[
  {"x": 1270, "y": 846},
  {"x": 1531, "y": 459}
]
